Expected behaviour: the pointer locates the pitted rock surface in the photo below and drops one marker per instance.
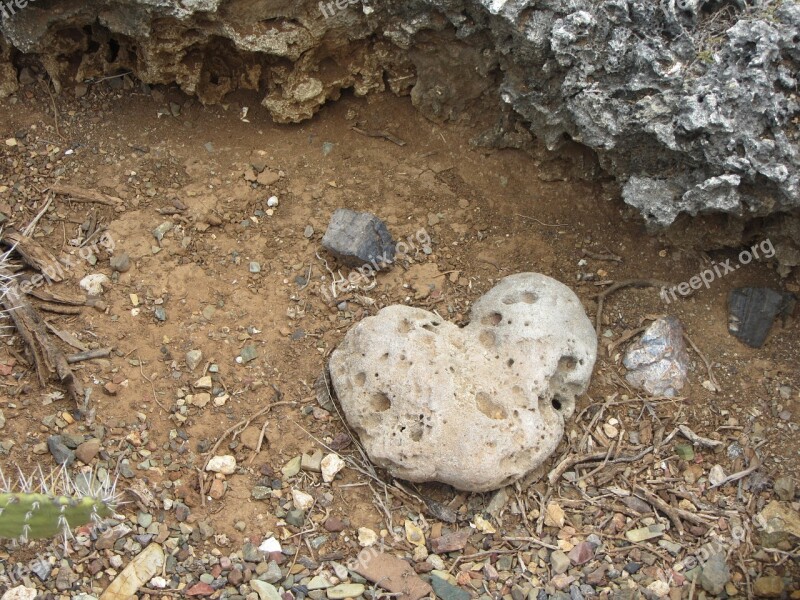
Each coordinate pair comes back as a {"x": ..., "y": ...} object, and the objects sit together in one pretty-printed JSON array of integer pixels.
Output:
[{"x": 476, "y": 407}]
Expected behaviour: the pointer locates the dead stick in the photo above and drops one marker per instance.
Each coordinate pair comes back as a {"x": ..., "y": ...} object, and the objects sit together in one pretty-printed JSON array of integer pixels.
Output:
[
  {"x": 637, "y": 283},
  {"x": 663, "y": 507},
  {"x": 89, "y": 355},
  {"x": 576, "y": 459},
  {"x": 596, "y": 256},
  {"x": 702, "y": 356},
  {"x": 79, "y": 194},
  {"x": 49, "y": 360}
]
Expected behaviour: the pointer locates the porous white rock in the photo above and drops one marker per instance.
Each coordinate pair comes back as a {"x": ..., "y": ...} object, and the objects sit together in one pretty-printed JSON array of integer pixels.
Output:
[
  {"x": 476, "y": 407},
  {"x": 95, "y": 283}
]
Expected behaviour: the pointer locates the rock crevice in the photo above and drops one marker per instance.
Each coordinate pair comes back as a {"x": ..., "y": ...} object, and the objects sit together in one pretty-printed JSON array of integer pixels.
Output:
[{"x": 692, "y": 106}]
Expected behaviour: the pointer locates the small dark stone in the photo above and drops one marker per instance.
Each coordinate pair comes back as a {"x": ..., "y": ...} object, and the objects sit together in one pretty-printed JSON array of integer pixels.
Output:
[
  {"x": 60, "y": 452},
  {"x": 181, "y": 512},
  {"x": 752, "y": 311},
  {"x": 235, "y": 577},
  {"x": 334, "y": 525},
  {"x": 632, "y": 568},
  {"x": 359, "y": 239},
  {"x": 295, "y": 517},
  {"x": 121, "y": 262}
]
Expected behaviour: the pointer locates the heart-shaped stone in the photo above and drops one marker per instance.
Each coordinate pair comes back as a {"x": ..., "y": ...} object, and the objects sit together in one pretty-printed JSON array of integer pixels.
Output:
[{"x": 476, "y": 407}]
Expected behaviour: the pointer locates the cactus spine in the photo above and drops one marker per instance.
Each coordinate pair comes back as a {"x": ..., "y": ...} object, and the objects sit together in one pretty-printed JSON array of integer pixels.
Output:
[{"x": 54, "y": 505}]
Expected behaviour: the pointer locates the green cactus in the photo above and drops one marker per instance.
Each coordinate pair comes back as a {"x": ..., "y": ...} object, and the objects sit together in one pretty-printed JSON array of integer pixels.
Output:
[{"x": 56, "y": 507}]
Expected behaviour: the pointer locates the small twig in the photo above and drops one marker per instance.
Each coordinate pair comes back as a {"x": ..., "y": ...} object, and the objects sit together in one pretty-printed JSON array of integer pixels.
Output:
[
  {"x": 260, "y": 441},
  {"x": 55, "y": 108},
  {"x": 596, "y": 256},
  {"x": 702, "y": 356},
  {"x": 696, "y": 439},
  {"x": 380, "y": 134},
  {"x": 576, "y": 459},
  {"x": 32, "y": 225},
  {"x": 89, "y": 355},
  {"x": 637, "y": 283},
  {"x": 78, "y": 194},
  {"x": 243, "y": 424},
  {"x": 543, "y": 224},
  {"x": 739, "y": 475},
  {"x": 152, "y": 385}
]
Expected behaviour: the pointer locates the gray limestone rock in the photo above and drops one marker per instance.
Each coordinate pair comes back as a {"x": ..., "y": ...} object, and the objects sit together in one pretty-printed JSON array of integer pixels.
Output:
[{"x": 476, "y": 407}]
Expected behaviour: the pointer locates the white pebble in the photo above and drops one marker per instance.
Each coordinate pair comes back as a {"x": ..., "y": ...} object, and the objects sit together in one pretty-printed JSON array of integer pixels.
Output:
[
  {"x": 302, "y": 501},
  {"x": 330, "y": 466},
  {"x": 225, "y": 464},
  {"x": 270, "y": 545},
  {"x": 93, "y": 284},
  {"x": 273, "y": 201}
]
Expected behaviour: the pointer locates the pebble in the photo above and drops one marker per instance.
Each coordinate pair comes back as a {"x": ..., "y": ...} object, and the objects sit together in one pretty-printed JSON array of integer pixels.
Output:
[
  {"x": 265, "y": 591},
  {"x": 308, "y": 232},
  {"x": 204, "y": 383},
  {"x": 121, "y": 263},
  {"x": 334, "y": 525},
  {"x": 255, "y": 267},
  {"x": 330, "y": 466},
  {"x": 160, "y": 314},
  {"x": 715, "y": 574},
  {"x": 346, "y": 590},
  {"x": 273, "y": 201},
  {"x": 93, "y": 284},
  {"x": 770, "y": 586},
  {"x": 193, "y": 359},
  {"x": 302, "y": 500},
  {"x": 88, "y": 450},
  {"x": 366, "y": 537},
  {"x": 447, "y": 591},
  {"x": 60, "y": 452},
  {"x": 247, "y": 354},
  {"x": 581, "y": 553},
  {"x": 225, "y": 464},
  {"x": 559, "y": 561}
]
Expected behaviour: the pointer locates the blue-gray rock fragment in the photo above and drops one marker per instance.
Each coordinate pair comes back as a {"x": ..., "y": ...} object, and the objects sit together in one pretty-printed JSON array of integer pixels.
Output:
[{"x": 359, "y": 239}]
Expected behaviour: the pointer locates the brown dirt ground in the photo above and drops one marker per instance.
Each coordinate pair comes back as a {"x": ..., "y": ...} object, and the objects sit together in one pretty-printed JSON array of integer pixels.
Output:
[{"x": 489, "y": 213}]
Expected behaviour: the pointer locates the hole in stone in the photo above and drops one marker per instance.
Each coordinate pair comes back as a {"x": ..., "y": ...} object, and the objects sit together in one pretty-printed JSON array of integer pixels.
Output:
[
  {"x": 361, "y": 378},
  {"x": 489, "y": 407},
  {"x": 385, "y": 356},
  {"x": 567, "y": 363},
  {"x": 529, "y": 297},
  {"x": 416, "y": 432},
  {"x": 492, "y": 319},
  {"x": 510, "y": 362},
  {"x": 404, "y": 326},
  {"x": 556, "y": 402},
  {"x": 487, "y": 338},
  {"x": 380, "y": 402}
]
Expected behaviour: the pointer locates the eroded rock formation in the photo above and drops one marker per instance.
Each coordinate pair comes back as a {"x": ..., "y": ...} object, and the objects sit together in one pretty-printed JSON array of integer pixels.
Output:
[{"x": 690, "y": 104}]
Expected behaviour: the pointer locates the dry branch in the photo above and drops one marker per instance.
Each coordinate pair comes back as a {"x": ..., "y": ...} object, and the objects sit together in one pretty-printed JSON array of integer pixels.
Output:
[
  {"x": 79, "y": 194},
  {"x": 50, "y": 362}
]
